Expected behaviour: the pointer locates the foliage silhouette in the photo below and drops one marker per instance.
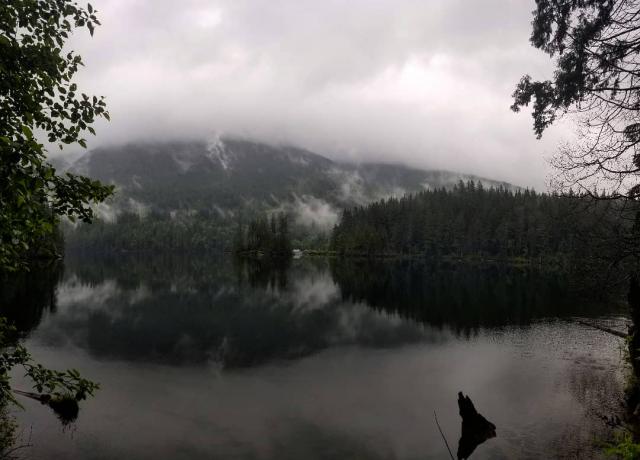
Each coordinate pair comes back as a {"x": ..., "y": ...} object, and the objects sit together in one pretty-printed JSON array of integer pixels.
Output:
[{"x": 595, "y": 44}]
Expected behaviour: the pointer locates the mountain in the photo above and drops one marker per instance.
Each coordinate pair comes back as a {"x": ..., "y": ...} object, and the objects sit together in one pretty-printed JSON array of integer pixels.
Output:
[{"x": 231, "y": 174}]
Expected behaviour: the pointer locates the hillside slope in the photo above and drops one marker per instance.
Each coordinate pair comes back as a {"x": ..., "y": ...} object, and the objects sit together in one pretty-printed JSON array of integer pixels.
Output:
[{"x": 233, "y": 174}]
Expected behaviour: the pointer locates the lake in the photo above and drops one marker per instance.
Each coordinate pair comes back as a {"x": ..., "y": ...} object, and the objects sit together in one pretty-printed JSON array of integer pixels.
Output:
[{"x": 201, "y": 357}]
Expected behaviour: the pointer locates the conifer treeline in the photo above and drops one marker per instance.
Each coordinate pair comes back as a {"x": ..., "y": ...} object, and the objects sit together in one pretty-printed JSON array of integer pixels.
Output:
[
  {"x": 267, "y": 236},
  {"x": 470, "y": 220},
  {"x": 156, "y": 232}
]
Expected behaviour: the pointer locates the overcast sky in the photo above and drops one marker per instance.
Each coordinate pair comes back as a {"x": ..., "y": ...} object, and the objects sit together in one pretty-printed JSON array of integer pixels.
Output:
[{"x": 422, "y": 82}]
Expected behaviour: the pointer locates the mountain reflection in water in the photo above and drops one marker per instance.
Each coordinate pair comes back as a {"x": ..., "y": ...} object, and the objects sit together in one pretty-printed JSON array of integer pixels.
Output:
[{"x": 209, "y": 353}]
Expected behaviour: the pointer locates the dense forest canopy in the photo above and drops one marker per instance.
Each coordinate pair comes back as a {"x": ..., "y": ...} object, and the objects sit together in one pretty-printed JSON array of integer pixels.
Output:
[
  {"x": 40, "y": 101},
  {"x": 197, "y": 231},
  {"x": 470, "y": 220},
  {"x": 154, "y": 232},
  {"x": 267, "y": 236}
]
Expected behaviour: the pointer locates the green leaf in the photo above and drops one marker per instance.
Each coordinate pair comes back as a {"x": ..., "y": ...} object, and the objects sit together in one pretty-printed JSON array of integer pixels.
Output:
[{"x": 27, "y": 131}]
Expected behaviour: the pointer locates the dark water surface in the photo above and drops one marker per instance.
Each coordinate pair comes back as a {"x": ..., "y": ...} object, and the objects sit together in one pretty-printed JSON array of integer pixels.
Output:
[{"x": 203, "y": 358}]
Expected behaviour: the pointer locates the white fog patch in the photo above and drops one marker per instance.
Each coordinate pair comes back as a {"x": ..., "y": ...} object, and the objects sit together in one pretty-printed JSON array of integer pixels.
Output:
[
  {"x": 138, "y": 207},
  {"x": 314, "y": 292},
  {"x": 274, "y": 198},
  {"x": 73, "y": 293},
  {"x": 311, "y": 211},
  {"x": 299, "y": 160},
  {"x": 351, "y": 186},
  {"x": 393, "y": 192},
  {"x": 135, "y": 181},
  {"x": 106, "y": 212},
  {"x": 428, "y": 185},
  {"x": 217, "y": 152},
  {"x": 444, "y": 179},
  {"x": 184, "y": 164},
  {"x": 79, "y": 164},
  {"x": 350, "y": 320},
  {"x": 448, "y": 180},
  {"x": 109, "y": 211},
  {"x": 178, "y": 214},
  {"x": 141, "y": 293},
  {"x": 357, "y": 321},
  {"x": 221, "y": 212},
  {"x": 64, "y": 160}
]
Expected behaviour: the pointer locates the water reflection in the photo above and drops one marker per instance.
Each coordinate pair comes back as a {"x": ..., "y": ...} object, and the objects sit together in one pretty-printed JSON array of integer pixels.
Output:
[
  {"x": 263, "y": 273},
  {"x": 209, "y": 353},
  {"x": 462, "y": 297},
  {"x": 186, "y": 310},
  {"x": 26, "y": 297},
  {"x": 237, "y": 316}
]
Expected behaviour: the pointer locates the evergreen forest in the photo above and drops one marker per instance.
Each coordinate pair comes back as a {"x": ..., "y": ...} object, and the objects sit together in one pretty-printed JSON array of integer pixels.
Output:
[{"x": 470, "y": 220}]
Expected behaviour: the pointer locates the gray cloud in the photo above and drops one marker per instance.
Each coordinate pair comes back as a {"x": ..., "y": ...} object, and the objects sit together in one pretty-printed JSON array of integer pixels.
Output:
[{"x": 426, "y": 83}]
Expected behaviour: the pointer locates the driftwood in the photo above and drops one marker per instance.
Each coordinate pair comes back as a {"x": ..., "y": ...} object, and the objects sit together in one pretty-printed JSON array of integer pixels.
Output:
[
  {"x": 475, "y": 428},
  {"x": 43, "y": 398},
  {"x": 65, "y": 408},
  {"x": 603, "y": 328},
  {"x": 442, "y": 434}
]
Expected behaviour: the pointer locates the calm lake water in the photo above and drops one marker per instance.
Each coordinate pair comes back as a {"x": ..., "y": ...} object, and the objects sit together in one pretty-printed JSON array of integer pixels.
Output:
[{"x": 204, "y": 358}]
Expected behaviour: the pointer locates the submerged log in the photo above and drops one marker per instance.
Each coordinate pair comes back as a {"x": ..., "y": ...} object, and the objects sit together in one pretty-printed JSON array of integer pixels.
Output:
[
  {"x": 65, "y": 407},
  {"x": 475, "y": 428},
  {"x": 43, "y": 398},
  {"x": 603, "y": 328}
]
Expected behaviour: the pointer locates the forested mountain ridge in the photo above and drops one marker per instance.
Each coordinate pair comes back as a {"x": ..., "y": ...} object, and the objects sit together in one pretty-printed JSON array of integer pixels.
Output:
[
  {"x": 192, "y": 195},
  {"x": 231, "y": 174}
]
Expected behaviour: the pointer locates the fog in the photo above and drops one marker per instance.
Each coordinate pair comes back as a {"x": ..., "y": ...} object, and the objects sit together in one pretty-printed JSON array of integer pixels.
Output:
[{"x": 422, "y": 83}]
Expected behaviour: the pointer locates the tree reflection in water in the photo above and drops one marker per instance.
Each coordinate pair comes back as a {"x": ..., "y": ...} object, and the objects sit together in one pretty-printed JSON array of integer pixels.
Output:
[
  {"x": 24, "y": 299},
  {"x": 190, "y": 311},
  {"x": 193, "y": 309}
]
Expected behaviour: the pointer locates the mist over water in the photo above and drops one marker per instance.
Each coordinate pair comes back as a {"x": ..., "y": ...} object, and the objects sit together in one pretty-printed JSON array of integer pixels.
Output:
[{"x": 204, "y": 357}]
